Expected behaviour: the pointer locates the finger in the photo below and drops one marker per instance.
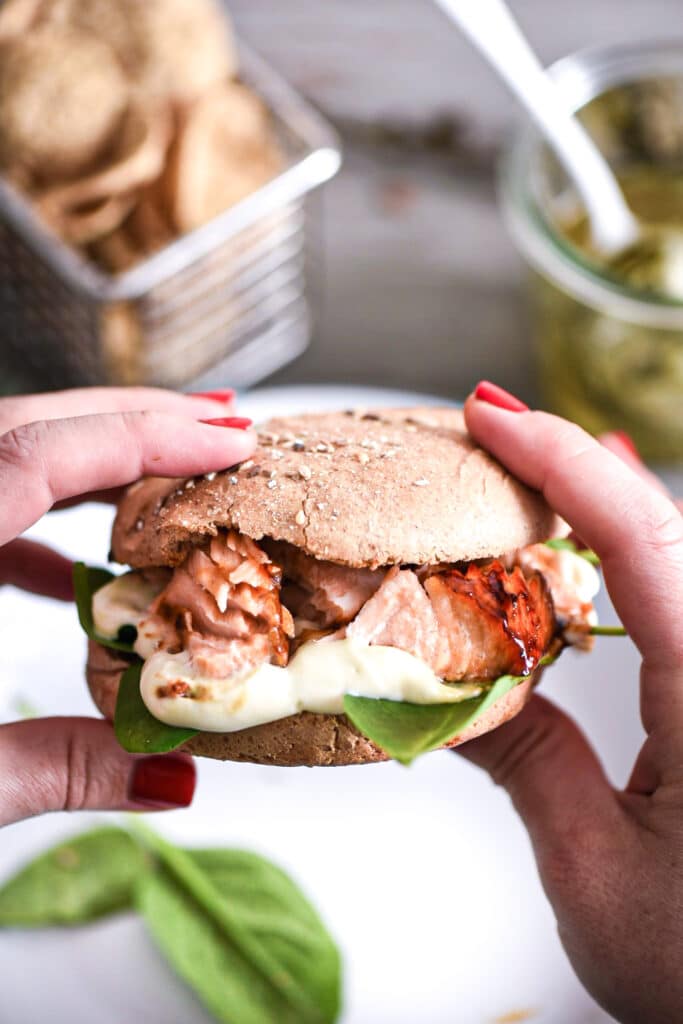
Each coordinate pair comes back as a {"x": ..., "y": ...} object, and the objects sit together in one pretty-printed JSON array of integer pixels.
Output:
[
  {"x": 636, "y": 530},
  {"x": 74, "y": 764},
  {"x": 553, "y": 777},
  {"x": 20, "y": 409},
  {"x": 46, "y": 462},
  {"x": 36, "y": 568}
]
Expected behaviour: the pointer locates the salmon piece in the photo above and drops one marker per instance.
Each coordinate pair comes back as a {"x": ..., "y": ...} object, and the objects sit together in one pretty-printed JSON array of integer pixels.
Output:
[
  {"x": 400, "y": 615},
  {"x": 322, "y": 593},
  {"x": 573, "y": 584},
  {"x": 491, "y": 622},
  {"x": 223, "y": 606}
]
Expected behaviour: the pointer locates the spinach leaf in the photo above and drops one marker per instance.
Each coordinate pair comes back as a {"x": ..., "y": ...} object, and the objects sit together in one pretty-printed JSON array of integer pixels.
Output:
[
  {"x": 235, "y": 970},
  {"x": 404, "y": 731},
  {"x": 78, "y": 881},
  {"x": 275, "y": 909},
  {"x": 136, "y": 729},
  {"x": 87, "y": 581},
  {"x": 607, "y": 631},
  {"x": 565, "y": 544}
]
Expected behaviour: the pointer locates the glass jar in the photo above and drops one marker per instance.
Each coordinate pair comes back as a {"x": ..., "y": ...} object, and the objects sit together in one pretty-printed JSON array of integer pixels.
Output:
[{"x": 609, "y": 356}]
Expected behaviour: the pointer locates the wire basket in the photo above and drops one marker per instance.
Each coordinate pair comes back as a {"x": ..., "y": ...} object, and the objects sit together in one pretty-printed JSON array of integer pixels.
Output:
[{"x": 229, "y": 298}]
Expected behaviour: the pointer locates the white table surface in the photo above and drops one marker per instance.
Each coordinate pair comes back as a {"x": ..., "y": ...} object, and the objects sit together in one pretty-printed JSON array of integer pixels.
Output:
[{"x": 424, "y": 875}]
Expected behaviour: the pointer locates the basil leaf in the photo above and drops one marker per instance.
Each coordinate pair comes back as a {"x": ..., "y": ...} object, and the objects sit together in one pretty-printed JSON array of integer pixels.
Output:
[
  {"x": 565, "y": 544},
  {"x": 78, "y": 881},
  {"x": 275, "y": 909},
  {"x": 136, "y": 729},
  {"x": 607, "y": 631},
  {"x": 404, "y": 731},
  {"x": 87, "y": 581},
  {"x": 232, "y": 967}
]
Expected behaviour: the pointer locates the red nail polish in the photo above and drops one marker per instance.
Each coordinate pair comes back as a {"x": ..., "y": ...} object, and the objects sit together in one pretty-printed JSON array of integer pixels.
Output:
[
  {"x": 627, "y": 442},
  {"x": 163, "y": 779},
  {"x": 485, "y": 391},
  {"x": 226, "y": 395},
  {"x": 236, "y": 422}
]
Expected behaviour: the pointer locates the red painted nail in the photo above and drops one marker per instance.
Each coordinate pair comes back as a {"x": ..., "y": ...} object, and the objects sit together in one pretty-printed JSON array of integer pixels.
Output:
[
  {"x": 485, "y": 391},
  {"x": 627, "y": 442},
  {"x": 226, "y": 395},
  {"x": 163, "y": 779},
  {"x": 236, "y": 422}
]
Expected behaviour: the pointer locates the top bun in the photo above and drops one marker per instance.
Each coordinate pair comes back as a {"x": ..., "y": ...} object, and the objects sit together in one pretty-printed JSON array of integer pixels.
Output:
[{"x": 359, "y": 488}]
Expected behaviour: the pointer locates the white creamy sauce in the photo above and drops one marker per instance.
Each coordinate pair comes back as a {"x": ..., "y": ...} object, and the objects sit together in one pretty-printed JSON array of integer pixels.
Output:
[
  {"x": 316, "y": 679},
  {"x": 123, "y": 602}
]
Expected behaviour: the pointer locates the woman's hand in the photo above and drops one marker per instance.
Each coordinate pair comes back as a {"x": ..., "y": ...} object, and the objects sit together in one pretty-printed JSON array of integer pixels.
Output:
[
  {"x": 84, "y": 445},
  {"x": 611, "y": 862}
]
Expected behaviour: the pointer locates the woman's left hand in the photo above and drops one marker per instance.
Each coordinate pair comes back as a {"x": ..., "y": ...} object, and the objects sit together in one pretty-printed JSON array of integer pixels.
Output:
[{"x": 83, "y": 445}]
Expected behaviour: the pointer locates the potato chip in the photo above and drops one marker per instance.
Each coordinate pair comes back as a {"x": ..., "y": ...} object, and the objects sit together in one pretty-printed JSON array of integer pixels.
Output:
[
  {"x": 116, "y": 252},
  {"x": 121, "y": 343},
  {"x": 81, "y": 226},
  {"x": 223, "y": 152},
  {"x": 138, "y": 158},
  {"x": 62, "y": 96},
  {"x": 148, "y": 224},
  {"x": 18, "y": 16},
  {"x": 170, "y": 48}
]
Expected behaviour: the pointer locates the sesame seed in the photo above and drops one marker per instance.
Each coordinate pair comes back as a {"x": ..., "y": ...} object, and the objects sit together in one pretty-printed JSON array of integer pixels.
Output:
[
  {"x": 300, "y": 518},
  {"x": 248, "y": 464},
  {"x": 273, "y": 473},
  {"x": 189, "y": 484},
  {"x": 139, "y": 523},
  {"x": 272, "y": 484},
  {"x": 209, "y": 476},
  {"x": 305, "y": 472},
  {"x": 320, "y": 506},
  {"x": 277, "y": 454},
  {"x": 233, "y": 479},
  {"x": 363, "y": 458},
  {"x": 421, "y": 482}
]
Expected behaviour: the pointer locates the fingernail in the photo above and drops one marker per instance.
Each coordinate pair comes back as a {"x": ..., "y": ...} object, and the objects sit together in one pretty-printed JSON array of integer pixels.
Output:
[
  {"x": 163, "y": 779},
  {"x": 485, "y": 391},
  {"x": 226, "y": 395},
  {"x": 627, "y": 442},
  {"x": 236, "y": 422}
]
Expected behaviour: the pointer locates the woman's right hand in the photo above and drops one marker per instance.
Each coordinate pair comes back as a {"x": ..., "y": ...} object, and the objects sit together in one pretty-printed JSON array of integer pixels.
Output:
[{"x": 611, "y": 861}]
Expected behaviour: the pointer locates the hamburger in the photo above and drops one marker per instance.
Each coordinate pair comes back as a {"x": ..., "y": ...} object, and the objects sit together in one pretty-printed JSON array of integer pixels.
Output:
[{"x": 367, "y": 585}]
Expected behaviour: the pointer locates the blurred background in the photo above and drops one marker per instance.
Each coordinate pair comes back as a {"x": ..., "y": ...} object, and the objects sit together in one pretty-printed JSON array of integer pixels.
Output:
[{"x": 200, "y": 231}]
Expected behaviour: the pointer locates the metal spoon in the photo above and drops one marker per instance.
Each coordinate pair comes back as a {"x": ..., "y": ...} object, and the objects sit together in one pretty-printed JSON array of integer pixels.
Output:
[{"x": 491, "y": 27}]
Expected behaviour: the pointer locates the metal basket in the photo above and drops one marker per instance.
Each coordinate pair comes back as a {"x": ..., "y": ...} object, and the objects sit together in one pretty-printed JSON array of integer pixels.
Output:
[{"x": 229, "y": 297}]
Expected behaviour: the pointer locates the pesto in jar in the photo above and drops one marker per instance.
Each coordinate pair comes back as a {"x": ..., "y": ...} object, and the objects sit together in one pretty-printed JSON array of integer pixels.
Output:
[{"x": 610, "y": 373}]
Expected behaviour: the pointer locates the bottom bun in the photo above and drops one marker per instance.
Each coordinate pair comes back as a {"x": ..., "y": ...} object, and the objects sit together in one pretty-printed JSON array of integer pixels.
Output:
[{"x": 302, "y": 739}]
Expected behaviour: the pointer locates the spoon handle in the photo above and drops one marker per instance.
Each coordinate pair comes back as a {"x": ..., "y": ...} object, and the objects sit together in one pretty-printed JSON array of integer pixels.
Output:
[{"x": 491, "y": 27}]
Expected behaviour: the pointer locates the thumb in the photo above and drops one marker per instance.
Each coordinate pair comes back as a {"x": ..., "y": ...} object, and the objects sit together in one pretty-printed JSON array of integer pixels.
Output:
[
  {"x": 552, "y": 775},
  {"x": 73, "y": 764}
]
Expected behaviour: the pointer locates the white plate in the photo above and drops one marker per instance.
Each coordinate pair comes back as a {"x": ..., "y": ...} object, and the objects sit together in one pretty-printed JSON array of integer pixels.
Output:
[{"x": 425, "y": 876}]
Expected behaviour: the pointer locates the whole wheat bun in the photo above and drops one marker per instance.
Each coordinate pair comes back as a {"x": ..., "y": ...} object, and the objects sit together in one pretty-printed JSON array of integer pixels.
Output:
[
  {"x": 358, "y": 488},
  {"x": 300, "y": 740}
]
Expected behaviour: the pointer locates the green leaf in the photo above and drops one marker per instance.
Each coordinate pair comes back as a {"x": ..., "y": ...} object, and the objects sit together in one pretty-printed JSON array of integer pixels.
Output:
[
  {"x": 565, "y": 544},
  {"x": 136, "y": 729},
  {"x": 223, "y": 954},
  {"x": 275, "y": 909},
  {"x": 404, "y": 731},
  {"x": 87, "y": 581},
  {"x": 78, "y": 881}
]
